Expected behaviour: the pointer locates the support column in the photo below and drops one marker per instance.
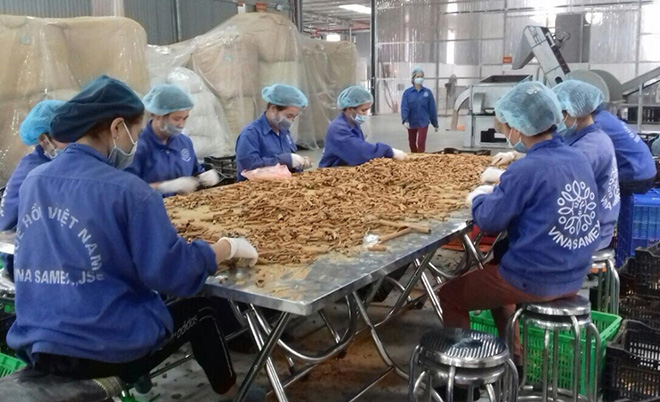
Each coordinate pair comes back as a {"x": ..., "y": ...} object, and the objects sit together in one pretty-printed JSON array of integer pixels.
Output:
[{"x": 374, "y": 58}]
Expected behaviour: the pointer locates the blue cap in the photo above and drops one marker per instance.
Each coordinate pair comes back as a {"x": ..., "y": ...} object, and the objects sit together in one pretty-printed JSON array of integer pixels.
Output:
[
  {"x": 164, "y": 99},
  {"x": 353, "y": 97},
  {"x": 37, "y": 122},
  {"x": 578, "y": 98},
  {"x": 416, "y": 70},
  {"x": 284, "y": 95},
  {"x": 102, "y": 99},
  {"x": 529, "y": 107}
]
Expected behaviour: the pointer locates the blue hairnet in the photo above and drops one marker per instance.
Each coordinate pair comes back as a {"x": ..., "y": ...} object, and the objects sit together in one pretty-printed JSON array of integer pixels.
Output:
[
  {"x": 353, "y": 97},
  {"x": 164, "y": 99},
  {"x": 37, "y": 122},
  {"x": 102, "y": 99},
  {"x": 416, "y": 70},
  {"x": 529, "y": 107},
  {"x": 284, "y": 95},
  {"x": 578, "y": 98}
]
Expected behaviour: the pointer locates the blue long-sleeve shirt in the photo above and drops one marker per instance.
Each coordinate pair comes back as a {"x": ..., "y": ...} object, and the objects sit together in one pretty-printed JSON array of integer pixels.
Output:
[
  {"x": 345, "y": 145},
  {"x": 598, "y": 149},
  {"x": 259, "y": 146},
  {"x": 547, "y": 202},
  {"x": 9, "y": 203},
  {"x": 633, "y": 157},
  {"x": 94, "y": 245},
  {"x": 156, "y": 161},
  {"x": 418, "y": 108}
]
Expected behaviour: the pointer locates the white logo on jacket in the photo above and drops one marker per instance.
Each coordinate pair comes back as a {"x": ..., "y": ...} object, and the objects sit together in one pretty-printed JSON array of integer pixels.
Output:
[
  {"x": 613, "y": 196},
  {"x": 185, "y": 155},
  {"x": 577, "y": 224}
]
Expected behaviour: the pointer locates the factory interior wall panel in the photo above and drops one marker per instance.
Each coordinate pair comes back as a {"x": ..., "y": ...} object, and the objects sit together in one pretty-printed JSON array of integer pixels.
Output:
[
  {"x": 492, "y": 51},
  {"x": 47, "y": 8},
  {"x": 200, "y": 16},
  {"x": 156, "y": 16},
  {"x": 614, "y": 37}
]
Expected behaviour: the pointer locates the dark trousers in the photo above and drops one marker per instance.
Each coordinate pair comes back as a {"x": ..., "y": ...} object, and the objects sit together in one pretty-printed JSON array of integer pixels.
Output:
[
  {"x": 417, "y": 139},
  {"x": 194, "y": 322},
  {"x": 636, "y": 187}
]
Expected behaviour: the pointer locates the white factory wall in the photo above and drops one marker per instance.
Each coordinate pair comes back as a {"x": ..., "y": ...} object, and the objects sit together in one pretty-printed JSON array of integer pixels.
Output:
[{"x": 470, "y": 39}]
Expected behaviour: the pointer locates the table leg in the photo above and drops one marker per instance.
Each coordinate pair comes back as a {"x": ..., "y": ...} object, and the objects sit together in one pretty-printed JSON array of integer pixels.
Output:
[
  {"x": 435, "y": 302},
  {"x": 264, "y": 353},
  {"x": 469, "y": 247}
]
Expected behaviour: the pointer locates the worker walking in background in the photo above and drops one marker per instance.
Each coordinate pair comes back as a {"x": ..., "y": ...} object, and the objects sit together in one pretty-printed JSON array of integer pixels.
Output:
[
  {"x": 417, "y": 111},
  {"x": 165, "y": 157},
  {"x": 87, "y": 302},
  {"x": 546, "y": 202},
  {"x": 267, "y": 140},
  {"x": 345, "y": 144},
  {"x": 578, "y": 100}
]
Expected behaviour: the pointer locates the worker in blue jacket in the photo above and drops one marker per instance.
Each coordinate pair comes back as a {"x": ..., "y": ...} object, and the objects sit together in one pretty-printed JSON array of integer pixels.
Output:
[
  {"x": 165, "y": 157},
  {"x": 94, "y": 246},
  {"x": 578, "y": 100},
  {"x": 547, "y": 202},
  {"x": 345, "y": 144},
  {"x": 267, "y": 140},
  {"x": 417, "y": 111},
  {"x": 634, "y": 160}
]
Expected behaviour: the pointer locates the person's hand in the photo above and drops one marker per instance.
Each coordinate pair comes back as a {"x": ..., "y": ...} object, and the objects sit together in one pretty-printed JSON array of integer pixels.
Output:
[
  {"x": 505, "y": 158},
  {"x": 399, "y": 155},
  {"x": 406, "y": 125},
  {"x": 481, "y": 190},
  {"x": 297, "y": 161},
  {"x": 182, "y": 185},
  {"x": 437, "y": 129},
  {"x": 241, "y": 248},
  {"x": 209, "y": 178},
  {"x": 491, "y": 175},
  {"x": 308, "y": 162}
]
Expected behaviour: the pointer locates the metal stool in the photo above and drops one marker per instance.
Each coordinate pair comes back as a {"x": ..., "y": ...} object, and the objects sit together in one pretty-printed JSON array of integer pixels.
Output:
[
  {"x": 567, "y": 314},
  {"x": 453, "y": 356},
  {"x": 602, "y": 266}
]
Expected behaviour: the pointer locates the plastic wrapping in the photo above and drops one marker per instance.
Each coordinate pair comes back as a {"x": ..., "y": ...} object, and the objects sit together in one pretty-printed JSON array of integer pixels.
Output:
[
  {"x": 53, "y": 59},
  {"x": 270, "y": 173}
]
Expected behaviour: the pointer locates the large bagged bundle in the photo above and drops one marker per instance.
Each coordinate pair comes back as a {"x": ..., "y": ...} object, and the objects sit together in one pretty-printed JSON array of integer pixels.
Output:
[
  {"x": 240, "y": 112},
  {"x": 207, "y": 125},
  {"x": 342, "y": 62},
  {"x": 277, "y": 38},
  {"x": 162, "y": 60},
  {"x": 12, "y": 149}
]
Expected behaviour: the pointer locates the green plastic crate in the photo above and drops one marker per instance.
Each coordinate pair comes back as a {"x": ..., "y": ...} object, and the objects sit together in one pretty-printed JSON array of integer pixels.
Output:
[
  {"x": 9, "y": 364},
  {"x": 607, "y": 324}
]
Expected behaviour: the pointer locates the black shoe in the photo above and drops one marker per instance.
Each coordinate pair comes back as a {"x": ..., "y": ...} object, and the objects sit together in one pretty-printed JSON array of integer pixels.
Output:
[{"x": 460, "y": 394}]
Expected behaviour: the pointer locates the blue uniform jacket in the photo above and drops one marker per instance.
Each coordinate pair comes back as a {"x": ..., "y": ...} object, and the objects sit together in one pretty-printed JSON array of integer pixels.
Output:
[
  {"x": 155, "y": 162},
  {"x": 94, "y": 245},
  {"x": 259, "y": 146},
  {"x": 9, "y": 203},
  {"x": 418, "y": 108},
  {"x": 598, "y": 149},
  {"x": 633, "y": 157},
  {"x": 346, "y": 146},
  {"x": 547, "y": 201}
]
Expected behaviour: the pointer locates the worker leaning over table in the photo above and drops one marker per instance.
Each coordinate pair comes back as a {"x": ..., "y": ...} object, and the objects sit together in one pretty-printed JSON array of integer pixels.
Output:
[
  {"x": 547, "y": 202},
  {"x": 86, "y": 298},
  {"x": 267, "y": 140},
  {"x": 578, "y": 101},
  {"x": 165, "y": 157},
  {"x": 345, "y": 144}
]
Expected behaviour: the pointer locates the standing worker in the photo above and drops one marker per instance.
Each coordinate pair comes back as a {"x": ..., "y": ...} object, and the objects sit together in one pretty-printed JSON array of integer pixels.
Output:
[
  {"x": 344, "y": 142},
  {"x": 165, "y": 157},
  {"x": 547, "y": 204},
  {"x": 94, "y": 248},
  {"x": 267, "y": 141},
  {"x": 417, "y": 111},
  {"x": 578, "y": 100}
]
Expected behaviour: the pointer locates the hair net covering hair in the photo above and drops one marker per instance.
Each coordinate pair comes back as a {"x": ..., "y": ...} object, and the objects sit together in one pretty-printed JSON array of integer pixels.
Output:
[
  {"x": 102, "y": 99},
  {"x": 284, "y": 95},
  {"x": 417, "y": 70},
  {"x": 353, "y": 97},
  {"x": 37, "y": 122},
  {"x": 578, "y": 98},
  {"x": 529, "y": 107},
  {"x": 164, "y": 99}
]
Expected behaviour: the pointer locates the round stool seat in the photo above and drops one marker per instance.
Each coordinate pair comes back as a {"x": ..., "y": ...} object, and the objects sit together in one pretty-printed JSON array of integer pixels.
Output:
[
  {"x": 574, "y": 305},
  {"x": 603, "y": 255},
  {"x": 463, "y": 348}
]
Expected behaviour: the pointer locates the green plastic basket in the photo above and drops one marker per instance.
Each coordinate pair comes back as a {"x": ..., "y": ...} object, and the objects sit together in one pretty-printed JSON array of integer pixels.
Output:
[
  {"x": 607, "y": 324},
  {"x": 9, "y": 364}
]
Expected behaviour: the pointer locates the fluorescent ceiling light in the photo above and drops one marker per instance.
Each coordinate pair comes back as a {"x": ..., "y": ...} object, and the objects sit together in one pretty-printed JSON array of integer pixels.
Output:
[
  {"x": 357, "y": 8},
  {"x": 333, "y": 37}
]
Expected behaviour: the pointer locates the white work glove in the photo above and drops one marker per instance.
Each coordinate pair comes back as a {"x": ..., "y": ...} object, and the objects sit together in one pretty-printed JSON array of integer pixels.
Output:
[
  {"x": 491, "y": 175},
  {"x": 481, "y": 190},
  {"x": 182, "y": 185},
  {"x": 406, "y": 125},
  {"x": 399, "y": 155},
  {"x": 209, "y": 178},
  {"x": 504, "y": 158},
  {"x": 241, "y": 248},
  {"x": 298, "y": 161}
]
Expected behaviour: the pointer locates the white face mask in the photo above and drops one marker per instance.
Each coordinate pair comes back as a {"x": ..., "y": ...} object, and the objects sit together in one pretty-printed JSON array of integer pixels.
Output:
[
  {"x": 170, "y": 129},
  {"x": 120, "y": 159},
  {"x": 53, "y": 152},
  {"x": 419, "y": 81}
]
